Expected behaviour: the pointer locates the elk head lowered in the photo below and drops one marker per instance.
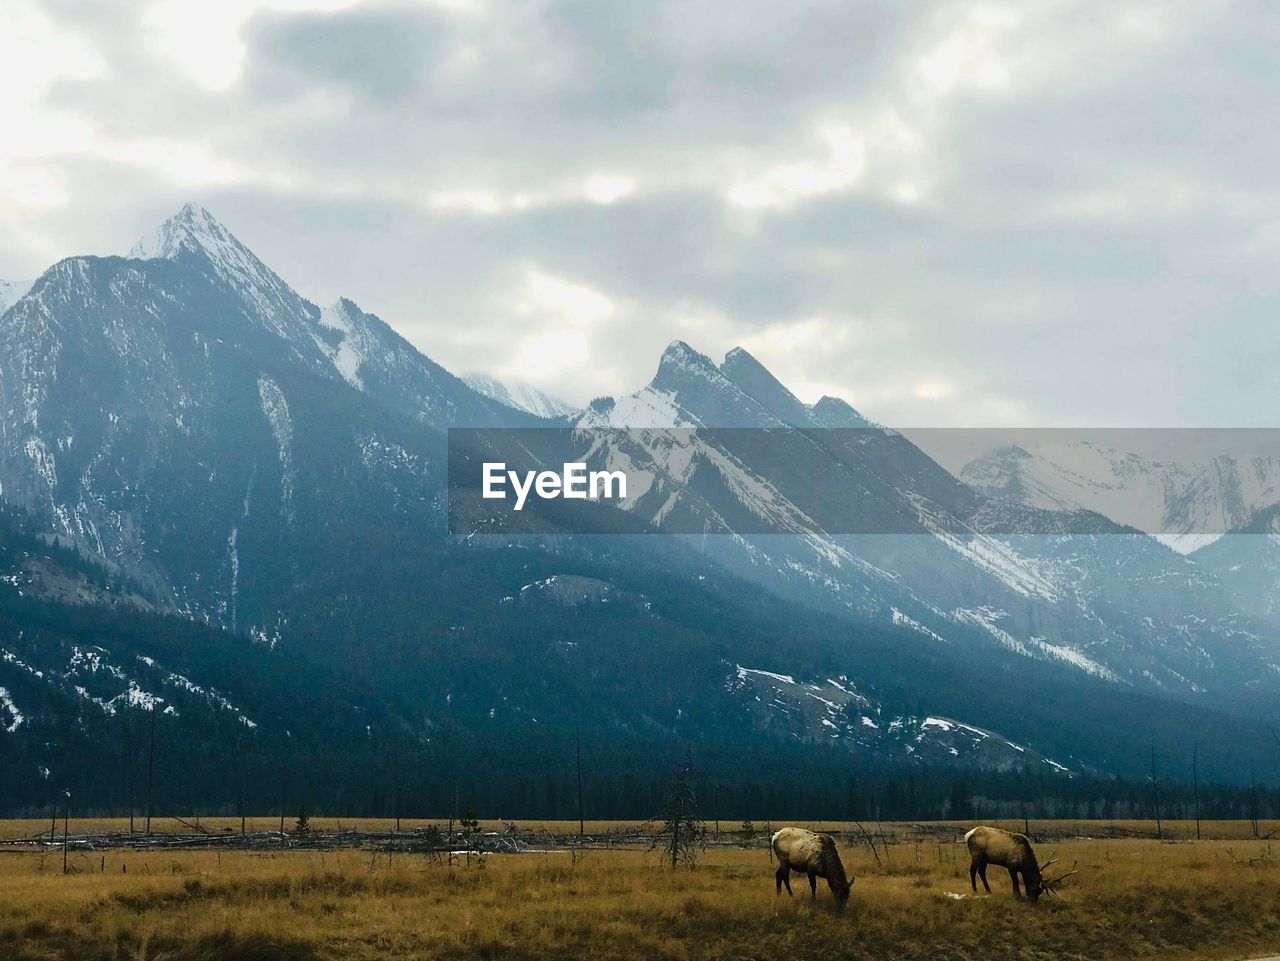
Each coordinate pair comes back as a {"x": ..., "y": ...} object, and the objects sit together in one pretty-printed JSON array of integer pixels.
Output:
[{"x": 1051, "y": 886}]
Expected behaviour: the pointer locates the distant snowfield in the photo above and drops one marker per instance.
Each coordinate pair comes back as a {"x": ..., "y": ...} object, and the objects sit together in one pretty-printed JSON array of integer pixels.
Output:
[{"x": 1185, "y": 504}]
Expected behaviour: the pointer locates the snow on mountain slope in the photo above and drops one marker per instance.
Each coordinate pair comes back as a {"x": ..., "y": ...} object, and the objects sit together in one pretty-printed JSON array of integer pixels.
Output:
[
  {"x": 1184, "y": 504},
  {"x": 832, "y": 711},
  {"x": 194, "y": 237},
  {"x": 862, "y": 519},
  {"x": 370, "y": 356},
  {"x": 340, "y": 340},
  {"x": 193, "y": 419},
  {"x": 519, "y": 395},
  {"x": 191, "y": 378},
  {"x": 688, "y": 390}
]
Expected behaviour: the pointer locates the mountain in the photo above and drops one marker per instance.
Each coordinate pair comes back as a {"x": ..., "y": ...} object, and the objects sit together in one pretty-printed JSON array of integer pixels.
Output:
[
  {"x": 89, "y": 670},
  {"x": 261, "y": 485},
  {"x": 1247, "y": 563},
  {"x": 1183, "y": 503},
  {"x": 179, "y": 403},
  {"x": 519, "y": 396},
  {"x": 878, "y": 529},
  {"x": 691, "y": 390},
  {"x": 362, "y": 349}
]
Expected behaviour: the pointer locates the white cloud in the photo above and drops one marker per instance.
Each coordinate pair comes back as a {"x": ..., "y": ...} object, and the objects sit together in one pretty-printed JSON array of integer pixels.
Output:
[
  {"x": 944, "y": 211},
  {"x": 779, "y": 186}
]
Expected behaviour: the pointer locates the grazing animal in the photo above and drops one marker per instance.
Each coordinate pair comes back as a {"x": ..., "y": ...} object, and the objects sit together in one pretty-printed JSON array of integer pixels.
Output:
[
  {"x": 1011, "y": 851},
  {"x": 813, "y": 854}
]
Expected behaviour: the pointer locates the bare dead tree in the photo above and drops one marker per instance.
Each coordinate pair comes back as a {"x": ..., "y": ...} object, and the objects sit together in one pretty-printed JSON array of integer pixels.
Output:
[
  {"x": 130, "y": 763},
  {"x": 577, "y": 744},
  {"x": 1195, "y": 783},
  {"x": 682, "y": 836},
  {"x": 1155, "y": 791},
  {"x": 66, "y": 819},
  {"x": 151, "y": 765},
  {"x": 239, "y": 763},
  {"x": 395, "y": 782},
  {"x": 870, "y": 843},
  {"x": 1253, "y": 801}
]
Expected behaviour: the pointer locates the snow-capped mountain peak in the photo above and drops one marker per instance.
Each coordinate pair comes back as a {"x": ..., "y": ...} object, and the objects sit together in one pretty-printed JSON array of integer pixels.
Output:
[
  {"x": 195, "y": 234},
  {"x": 669, "y": 400},
  {"x": 340, "y": 340},
  {"x": 691, "y": 390},
  {"x": 708, "y": 394},
  {"x": 679, "y": 360},
  {"x": 194, "y": 230}
]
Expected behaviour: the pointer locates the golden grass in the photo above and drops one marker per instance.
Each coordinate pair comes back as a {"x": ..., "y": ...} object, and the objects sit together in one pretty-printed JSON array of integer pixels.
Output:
[{"x": 1134, "y": 898}]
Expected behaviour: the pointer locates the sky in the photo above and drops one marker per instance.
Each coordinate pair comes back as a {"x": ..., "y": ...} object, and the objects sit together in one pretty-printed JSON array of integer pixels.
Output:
[{"x": 948, "y": 213}]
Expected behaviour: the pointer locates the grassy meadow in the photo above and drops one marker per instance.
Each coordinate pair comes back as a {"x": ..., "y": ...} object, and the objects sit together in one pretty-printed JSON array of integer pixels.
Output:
[{"x": 1134, "y": 897}]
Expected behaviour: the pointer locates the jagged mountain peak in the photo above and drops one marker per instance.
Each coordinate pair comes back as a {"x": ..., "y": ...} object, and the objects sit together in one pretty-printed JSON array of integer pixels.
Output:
[
  {"x": 680, "y": 366},
  {"x": 833, "y": 412},
  {"x": 358, "y": 346},
  {"x": 680, "y": 356},
  {"x": 690, "y": 389},
  {"x": 192, "y": 228},
  {"x": 758, "y": 382},
  {"x": 740, "y": 357},
  {"x": 703, "y": 393},
  {"x": 195, "y": 234}
]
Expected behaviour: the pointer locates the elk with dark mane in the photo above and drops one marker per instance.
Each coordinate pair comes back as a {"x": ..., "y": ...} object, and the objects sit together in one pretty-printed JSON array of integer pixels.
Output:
[
  {"x": 989, "y": 845},
  {"x": 813, "y": 854}
]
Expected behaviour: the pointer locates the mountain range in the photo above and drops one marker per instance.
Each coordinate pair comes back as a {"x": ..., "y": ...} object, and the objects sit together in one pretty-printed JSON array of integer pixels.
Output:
[
  {"x": 1185, "y": 502},
  {"x": 227, "y": 516}
]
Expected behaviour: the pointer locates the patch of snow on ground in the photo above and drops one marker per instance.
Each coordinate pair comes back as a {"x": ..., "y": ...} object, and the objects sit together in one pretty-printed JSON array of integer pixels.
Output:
[
  {"x": 15, "y": 716},
  {"x": 276, "y": 410},
  {"x": 347, "y": 358},
  {"x": 781, "y": 678}
]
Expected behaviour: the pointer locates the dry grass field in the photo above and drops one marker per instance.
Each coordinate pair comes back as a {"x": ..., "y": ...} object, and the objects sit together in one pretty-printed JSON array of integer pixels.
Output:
[{"x": 1134, "y": 898}]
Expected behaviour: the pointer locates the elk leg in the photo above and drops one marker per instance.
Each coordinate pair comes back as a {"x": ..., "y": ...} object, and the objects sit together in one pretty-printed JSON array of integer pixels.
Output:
[
  {"x": 982, "y": 873},
  {"x": 813, "y": 886},
  {"x": 781, "y": 877},
  {"x": 973, "y": 875},
  {"x": 1017, "y": 891}
]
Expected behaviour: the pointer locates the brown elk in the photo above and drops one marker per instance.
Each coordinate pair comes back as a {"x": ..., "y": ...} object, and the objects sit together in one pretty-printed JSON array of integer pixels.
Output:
[
  {"x": 1013, "y": 852},
  {"x": 813, "y": 854}
]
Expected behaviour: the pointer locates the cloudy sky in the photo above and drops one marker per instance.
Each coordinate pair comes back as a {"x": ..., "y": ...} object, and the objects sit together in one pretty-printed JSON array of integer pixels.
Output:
[{"x": 947, "y": 212}]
